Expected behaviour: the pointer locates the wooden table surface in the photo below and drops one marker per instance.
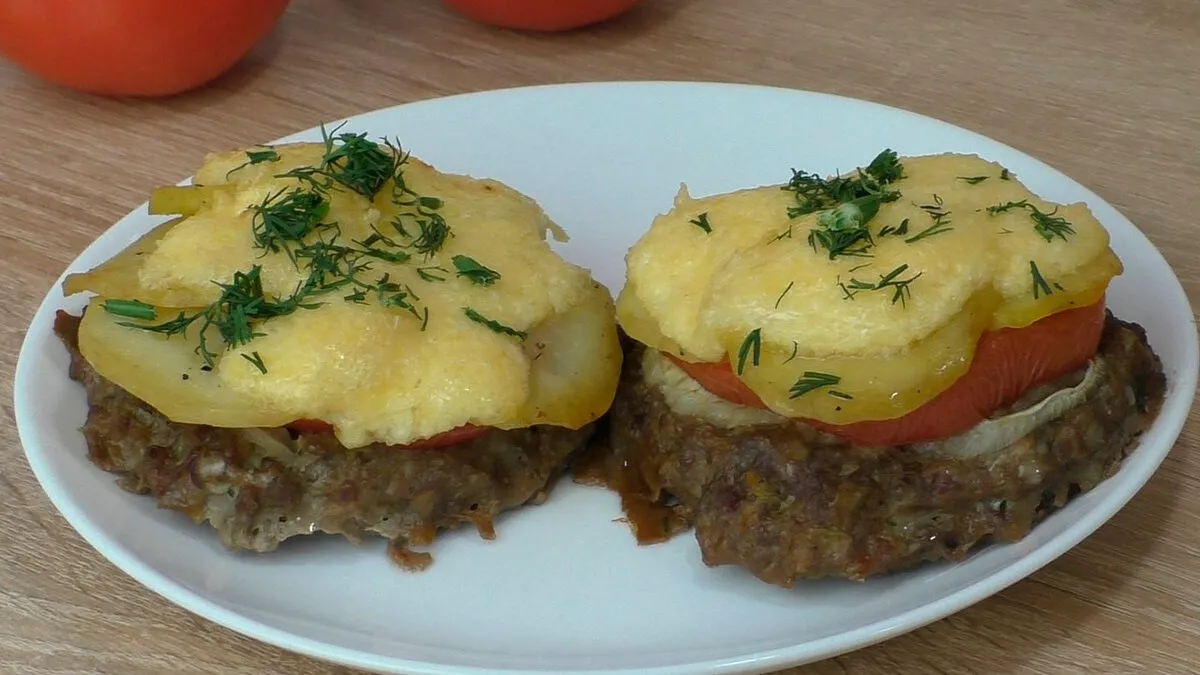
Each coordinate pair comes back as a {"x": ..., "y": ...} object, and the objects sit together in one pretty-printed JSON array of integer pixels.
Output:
[{"x": 1106, "y": 90}]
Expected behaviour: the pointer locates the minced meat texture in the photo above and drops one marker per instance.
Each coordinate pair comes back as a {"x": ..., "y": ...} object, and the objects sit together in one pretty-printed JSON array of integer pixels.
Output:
[
  {"x": 258, "y": 487},
  {"x": 787, "y": 502}
]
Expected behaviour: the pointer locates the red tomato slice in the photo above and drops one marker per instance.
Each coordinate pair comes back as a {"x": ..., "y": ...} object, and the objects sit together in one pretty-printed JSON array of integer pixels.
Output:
[
  {"x": 1008, "y": 362},
  {"x": 132, "y": 47},
  {"x": 541, "y": 15},
  {"x": 467, "y": 432}
]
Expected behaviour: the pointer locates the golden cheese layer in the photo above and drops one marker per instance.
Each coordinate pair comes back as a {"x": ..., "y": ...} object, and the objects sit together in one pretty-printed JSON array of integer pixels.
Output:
[
  {"x": 960, "y": 251},
  {"x": 535, "y": 345}
]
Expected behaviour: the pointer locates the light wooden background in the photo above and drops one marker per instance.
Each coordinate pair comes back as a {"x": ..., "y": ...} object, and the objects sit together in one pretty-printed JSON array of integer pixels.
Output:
[{"x": 1106, "y": 90}]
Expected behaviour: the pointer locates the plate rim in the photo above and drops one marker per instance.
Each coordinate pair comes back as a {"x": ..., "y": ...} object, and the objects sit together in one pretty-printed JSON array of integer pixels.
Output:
[{"x": 1183, "y": 388}]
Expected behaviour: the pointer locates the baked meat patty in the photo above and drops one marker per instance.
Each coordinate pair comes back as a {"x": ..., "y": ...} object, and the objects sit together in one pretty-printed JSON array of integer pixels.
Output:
[
  {"x": 258, "y": 487},
  {"x": 787, "y": 502}
]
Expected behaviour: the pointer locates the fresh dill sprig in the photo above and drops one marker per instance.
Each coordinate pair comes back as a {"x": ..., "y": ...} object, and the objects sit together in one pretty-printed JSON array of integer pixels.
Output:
[
  {"x": 1047, "y": 225},
  {"x": 131, "y": 309},
  {"x": 419, "y": 211},
  {"x": 785, "y": 292},
  {"x": 241, "y": 302},
  {"x": 701, "y": 221},
  {"x": 474, "y": 271},
  {"x": 285, "y": 218},
  {"x": 940, "y": 217},
  {"x": 751, "y": 349},
  {"x": 814, "y": 193},
  {"x": 894, "y": 230},
  {"x": 256, "y": 360},
  {"x": 891, "y": 280},
  {"x": 494, "y": 325},
  {"x": 973, "y": 180},
  {"x": 795, "y": 351},
  {"x": 255, "y": 157},
  {"x": 359, "y": 164},
  {"x": 811, "y": 381},
  {"x": 848, "y": 203},
  {"x": 1040, "y": 286},
  {"x": 432, "y": 273}
]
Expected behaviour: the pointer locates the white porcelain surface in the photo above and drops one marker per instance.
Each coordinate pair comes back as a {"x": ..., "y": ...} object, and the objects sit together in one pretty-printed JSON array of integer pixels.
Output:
[{"x": 564, "y": 588}]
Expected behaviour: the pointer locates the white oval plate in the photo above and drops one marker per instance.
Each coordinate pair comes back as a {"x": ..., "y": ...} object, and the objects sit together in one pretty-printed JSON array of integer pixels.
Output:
[{"x": 564, "y": 588}]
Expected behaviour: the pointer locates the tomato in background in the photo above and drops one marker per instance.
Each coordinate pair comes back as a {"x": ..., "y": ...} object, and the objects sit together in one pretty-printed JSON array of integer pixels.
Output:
[
  {"x": 542, "y": 15},
  {"x": 133, "y": 47}
]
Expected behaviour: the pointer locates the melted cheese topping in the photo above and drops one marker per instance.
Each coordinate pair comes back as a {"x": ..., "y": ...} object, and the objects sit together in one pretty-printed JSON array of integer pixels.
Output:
[
  {"x": 700, "y": 294},
  {"x": 377, "y": 373}
]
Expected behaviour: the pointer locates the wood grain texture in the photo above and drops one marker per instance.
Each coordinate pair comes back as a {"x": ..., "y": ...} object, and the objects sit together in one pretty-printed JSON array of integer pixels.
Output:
[{"x": 1108, "y": 91}]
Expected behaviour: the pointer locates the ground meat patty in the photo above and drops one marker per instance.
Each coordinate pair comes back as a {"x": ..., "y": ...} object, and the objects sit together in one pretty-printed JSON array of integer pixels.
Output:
[
  {"x": 787, "y": 502},
  {"x": 258, "y": 487}
]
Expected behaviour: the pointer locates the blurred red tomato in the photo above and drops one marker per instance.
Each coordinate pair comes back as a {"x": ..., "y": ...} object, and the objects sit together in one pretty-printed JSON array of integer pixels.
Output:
[
  {"x": 133, "y": 47},
  {"x": 541, "y": 15}
]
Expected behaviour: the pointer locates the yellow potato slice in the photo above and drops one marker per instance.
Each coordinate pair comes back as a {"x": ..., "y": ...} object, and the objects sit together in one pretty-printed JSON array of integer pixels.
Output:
[
  {"x": 117, "y": 277},
  {"x": 575, "y": 362},
  {"x": 166, "y": 372}
]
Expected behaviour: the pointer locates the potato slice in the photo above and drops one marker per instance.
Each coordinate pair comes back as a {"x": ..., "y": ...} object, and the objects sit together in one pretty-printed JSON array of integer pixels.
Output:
[
  {"x": 167, "y": 373},
  {"x": 575, "y": 364},
  {"x": 117, "y": 277}
]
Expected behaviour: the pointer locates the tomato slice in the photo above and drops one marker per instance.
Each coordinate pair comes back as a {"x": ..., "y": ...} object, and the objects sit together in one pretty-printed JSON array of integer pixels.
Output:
[
  {"x": 467, "y": 432},
  {"x": 1008, "y": 362}
]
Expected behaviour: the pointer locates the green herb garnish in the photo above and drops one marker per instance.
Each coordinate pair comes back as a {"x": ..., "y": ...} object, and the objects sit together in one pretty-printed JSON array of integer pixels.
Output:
[
  {"x": 241, "y": 302},
  {"x": 795, "y": 350},
  {"x": 940, "y": 217},
  {"x": 843, "y": 230},
  {"x": 751, "y": 348},
  {"x": 1040, "y": 287},
  {"x": 285, "y": 218},
  {"x": 475, "y": 272},
  {"x": 419, "y": 211},
  {"x": 256, "y": 360},
  {"x": 496, "y": 326},
  {"x": 255, "y": 157},
  {"x": 811, "y": 381},
  {"x": 891, "y": 280},
  {"x": 894, "y": 230},
  {"x": 350, "y": 160},
  {"x": 849, "y": 202},
  {"x": 131, "y": 309},
  {"x": 701, "y": 221},
  {"x": 973, "y": 180},
  {"x": 785, "y": 292},
  {"x": 1047, "y": 225},
  {"x": 814, "y": 193},
  {"x": 432, "y": 273}
]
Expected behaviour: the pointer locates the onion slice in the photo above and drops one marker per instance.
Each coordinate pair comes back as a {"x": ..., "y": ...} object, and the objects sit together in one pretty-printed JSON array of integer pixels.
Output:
[{"x": 994, "y": 435}]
